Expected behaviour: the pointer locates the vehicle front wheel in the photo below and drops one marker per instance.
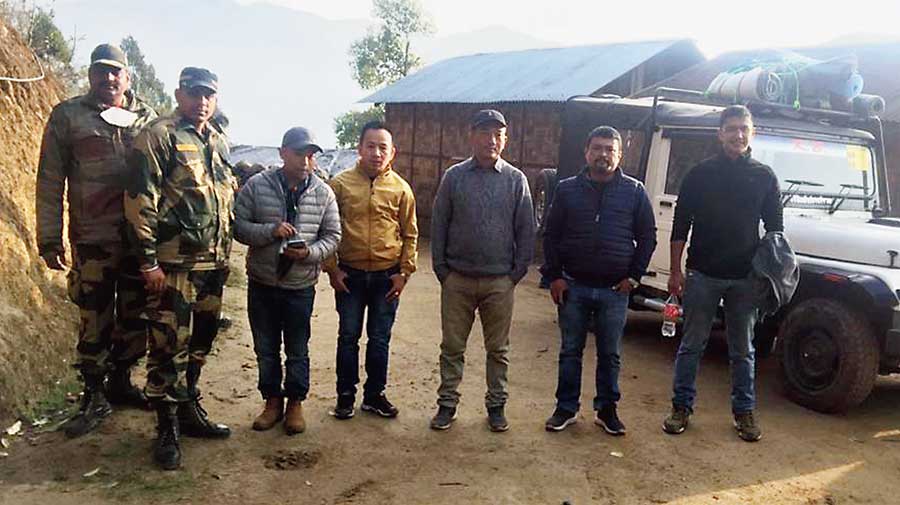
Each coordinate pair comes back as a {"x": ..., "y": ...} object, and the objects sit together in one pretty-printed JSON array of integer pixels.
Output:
[{"x": 828, "y": 356}]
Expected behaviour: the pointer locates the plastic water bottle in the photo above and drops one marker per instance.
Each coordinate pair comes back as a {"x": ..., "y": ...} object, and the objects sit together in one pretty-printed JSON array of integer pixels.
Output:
[{"x": 671, "y": 313}]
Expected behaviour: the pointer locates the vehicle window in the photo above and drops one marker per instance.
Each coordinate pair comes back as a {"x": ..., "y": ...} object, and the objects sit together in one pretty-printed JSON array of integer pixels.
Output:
[
  {"x": 631, "y": 154},
  {"x": 686, "y": 152},
  {"x": 815, "y": 174},
  {"x": 820, "y": 174}
]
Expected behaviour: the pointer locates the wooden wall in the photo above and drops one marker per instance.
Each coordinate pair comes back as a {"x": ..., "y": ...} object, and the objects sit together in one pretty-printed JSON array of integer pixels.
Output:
[{"x": 432, "y": 137}]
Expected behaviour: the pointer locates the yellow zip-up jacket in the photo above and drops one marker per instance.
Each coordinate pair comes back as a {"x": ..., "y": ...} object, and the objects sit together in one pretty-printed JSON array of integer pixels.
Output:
[{"x": 378, "y": 222}]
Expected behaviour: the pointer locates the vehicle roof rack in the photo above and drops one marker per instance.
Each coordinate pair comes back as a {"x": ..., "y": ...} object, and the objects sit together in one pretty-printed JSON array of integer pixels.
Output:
[{"x": 756, "y": 106}]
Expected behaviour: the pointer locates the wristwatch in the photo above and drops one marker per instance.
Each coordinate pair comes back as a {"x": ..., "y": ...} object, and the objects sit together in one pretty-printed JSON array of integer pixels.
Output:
[{"x": 634, "y": 283}]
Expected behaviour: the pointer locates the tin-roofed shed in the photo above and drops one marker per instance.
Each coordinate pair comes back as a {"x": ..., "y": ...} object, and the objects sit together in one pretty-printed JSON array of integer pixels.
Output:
[{"x": 429, "y": 111}]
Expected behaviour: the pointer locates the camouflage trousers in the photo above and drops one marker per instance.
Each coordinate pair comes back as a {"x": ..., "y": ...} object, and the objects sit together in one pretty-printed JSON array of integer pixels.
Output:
[
  {"x": 107, "y": 287},
  {"x": 183, "y": 323}
]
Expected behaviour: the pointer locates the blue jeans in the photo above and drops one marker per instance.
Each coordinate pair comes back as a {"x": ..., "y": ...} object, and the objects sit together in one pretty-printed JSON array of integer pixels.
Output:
[
  {"x": 701, "y": 302},
  {"x": 367, "y": 293},
  {"x": 608, "y": 309},
  {"x": 281, "y": 314}
]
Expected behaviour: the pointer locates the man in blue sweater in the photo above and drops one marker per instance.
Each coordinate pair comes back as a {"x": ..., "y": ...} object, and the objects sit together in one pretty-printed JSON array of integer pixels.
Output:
[
  {"x": 598, "y": 241},
  {"x": 482, "y": 241}
]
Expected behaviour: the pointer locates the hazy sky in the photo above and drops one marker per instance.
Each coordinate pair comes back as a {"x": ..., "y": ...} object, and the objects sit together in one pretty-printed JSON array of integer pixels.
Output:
[
  {"x": 320, "y": 84},
  {"x": 717, "y": 26}
]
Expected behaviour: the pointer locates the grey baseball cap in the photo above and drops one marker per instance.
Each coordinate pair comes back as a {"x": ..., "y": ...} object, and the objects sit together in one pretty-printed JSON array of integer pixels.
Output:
[
  {"x": 192, "y": 77},
  {"x": 486, "y": 116},
  {"x": 299, "y": 138},
  {"x": 109, "y": 54}
]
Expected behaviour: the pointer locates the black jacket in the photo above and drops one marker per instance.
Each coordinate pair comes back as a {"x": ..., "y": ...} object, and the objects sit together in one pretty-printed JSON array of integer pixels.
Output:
[
  {"x": 599, "y": 234},
  {"x": 776, "y": 273},
  {"x": 721, "y": 202}
]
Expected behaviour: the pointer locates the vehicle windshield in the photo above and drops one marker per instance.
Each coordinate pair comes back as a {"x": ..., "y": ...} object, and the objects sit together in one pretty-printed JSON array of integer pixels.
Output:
[{"x": 820, "y": 174}]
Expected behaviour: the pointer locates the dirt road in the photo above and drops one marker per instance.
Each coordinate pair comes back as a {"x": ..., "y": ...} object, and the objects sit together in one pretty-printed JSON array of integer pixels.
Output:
[{"x": 803, "y": 458}]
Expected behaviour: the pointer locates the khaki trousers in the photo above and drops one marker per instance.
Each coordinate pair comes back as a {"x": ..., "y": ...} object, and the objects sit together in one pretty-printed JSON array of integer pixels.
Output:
[{"x": 461, "y": 296}]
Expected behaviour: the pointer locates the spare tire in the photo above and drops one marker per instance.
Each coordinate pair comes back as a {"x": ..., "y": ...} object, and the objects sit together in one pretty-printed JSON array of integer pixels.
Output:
[
  {"x": 828, "y": 356},
  {"x": 543, "y": 196}
]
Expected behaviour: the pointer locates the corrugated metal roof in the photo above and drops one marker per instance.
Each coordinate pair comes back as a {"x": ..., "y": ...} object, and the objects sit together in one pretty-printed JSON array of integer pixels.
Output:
[{"x": 545, "y": 75}]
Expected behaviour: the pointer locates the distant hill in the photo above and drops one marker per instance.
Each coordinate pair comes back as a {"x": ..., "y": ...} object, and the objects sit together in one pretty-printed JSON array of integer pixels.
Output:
[{"x": 278, "y": 67}]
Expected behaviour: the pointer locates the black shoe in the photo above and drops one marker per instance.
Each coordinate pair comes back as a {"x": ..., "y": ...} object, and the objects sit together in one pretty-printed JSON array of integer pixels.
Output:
[
  {"x": 344, "y": 408},
  {"x": 121, "y": 392},
  {"x": 746, "y": 427},
  {"x": 609, "y": 420},
  {"x": 444, "y": 418},
  {"x": 380, "y": 405},
  {"x": 678, "y": 420},
  {"x": 560, "y": 420},
  {"x": 166, "y": 451},
  {"x": 496, "y": 419},
  {"x": 94, "y": 408},
  {"x": 194, "y": 422}
]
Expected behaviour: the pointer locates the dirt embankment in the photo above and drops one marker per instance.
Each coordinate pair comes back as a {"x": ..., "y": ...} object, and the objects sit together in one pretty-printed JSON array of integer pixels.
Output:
[{"x": 36, "y": 323}]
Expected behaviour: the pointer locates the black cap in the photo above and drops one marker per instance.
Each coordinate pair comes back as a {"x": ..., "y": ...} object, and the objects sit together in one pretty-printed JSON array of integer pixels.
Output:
[
  {"x": 299, "y": 139},
  {"x": 488, "y": 116},
  {"x": 109, "y": 54},
  {"x": 192, "y": 77}
]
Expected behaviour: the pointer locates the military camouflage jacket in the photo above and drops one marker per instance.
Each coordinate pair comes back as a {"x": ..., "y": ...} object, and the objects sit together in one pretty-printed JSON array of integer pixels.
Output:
[
  {"x": 179, "y": 200},
  {"x": 80, "y": 148}
]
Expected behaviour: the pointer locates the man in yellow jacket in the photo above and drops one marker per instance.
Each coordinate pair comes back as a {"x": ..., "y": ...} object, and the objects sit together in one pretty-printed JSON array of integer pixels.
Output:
[{"x": 376, "y": 256}]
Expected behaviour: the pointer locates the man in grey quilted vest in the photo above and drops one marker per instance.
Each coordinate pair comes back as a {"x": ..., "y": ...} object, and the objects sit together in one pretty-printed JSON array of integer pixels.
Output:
[{"x": 289, "y": 218}]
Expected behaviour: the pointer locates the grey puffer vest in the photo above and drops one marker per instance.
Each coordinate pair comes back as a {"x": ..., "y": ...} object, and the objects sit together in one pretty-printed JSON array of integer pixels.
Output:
[{"x": 260, "y": 207}]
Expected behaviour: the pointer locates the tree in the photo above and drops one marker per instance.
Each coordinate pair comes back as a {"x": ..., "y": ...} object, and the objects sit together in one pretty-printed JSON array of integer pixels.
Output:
[
  {"x": 348, "y": 125},
  {"x": 37, "y": 26},
  {"x": 46, "y": 39},
  {"x": 383, "y": 55},
  {"x": 144, "y": 82}
]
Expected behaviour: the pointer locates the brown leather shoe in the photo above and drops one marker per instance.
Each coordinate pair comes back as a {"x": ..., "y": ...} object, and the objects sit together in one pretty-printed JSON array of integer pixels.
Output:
[
  {"x": 293, "y": 418},
  {"x": 271, "y": 414}
]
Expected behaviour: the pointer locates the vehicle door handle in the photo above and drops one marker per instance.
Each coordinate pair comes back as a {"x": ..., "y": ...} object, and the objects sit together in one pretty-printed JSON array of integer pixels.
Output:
[{"x": 664, "y": 203}]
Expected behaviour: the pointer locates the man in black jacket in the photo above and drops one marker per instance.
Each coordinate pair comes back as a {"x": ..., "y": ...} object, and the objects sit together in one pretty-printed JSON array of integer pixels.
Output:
[
  {"x": 598, "y": 241},
  {"x": 721, "y": 202}
]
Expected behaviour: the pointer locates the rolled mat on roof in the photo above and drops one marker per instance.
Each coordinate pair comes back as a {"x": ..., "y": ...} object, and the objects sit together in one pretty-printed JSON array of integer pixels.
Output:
[{"x": 796, "y": 80}]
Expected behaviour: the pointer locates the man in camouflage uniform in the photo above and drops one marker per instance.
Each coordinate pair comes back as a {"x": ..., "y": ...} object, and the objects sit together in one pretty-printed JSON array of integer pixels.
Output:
[
  {"x": 178, "y": 206},
  {"x": 85, "y": 146}
]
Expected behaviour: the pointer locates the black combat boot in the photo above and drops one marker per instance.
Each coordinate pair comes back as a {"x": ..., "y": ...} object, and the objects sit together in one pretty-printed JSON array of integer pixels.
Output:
[
  {"x": 121, "y": 392},
  {"x": 166, "y": 451},
  {"x": 94, "y": 408},
  {"x": 192, "y": 417}
]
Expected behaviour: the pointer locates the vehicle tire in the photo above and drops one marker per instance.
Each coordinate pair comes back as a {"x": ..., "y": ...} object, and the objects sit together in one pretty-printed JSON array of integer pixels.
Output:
[
  {"x": 543, "y": 195},
  {"x": 828, "y": 356}
]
